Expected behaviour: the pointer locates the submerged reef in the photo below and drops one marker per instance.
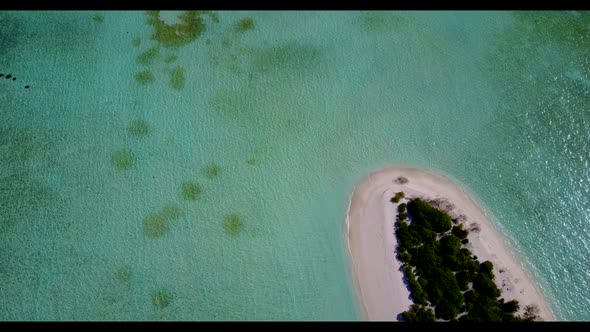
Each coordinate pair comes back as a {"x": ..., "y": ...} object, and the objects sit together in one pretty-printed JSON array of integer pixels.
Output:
[
  {"x": 170, "y": 58},
  {"x": 245, "y": 24},
  {"x": 145, "y": 77},
  {"x": 122, "y": 159},
  {"x": 291, "y": 55},
  {"x": 11, "y": 32},
  {"x": 191, "y": 26},
  {"x": 211, "y": 171},
  {"x": 157, "y": 224},
  {"x": 232, "y": 225},
  {"x": 177, "y": 78},
  {"x": 24, "y": 194},
  {"x": 98, "y": 18},
  {"x": 162, "y": 298},
  {"x": 138, "y": 128},
  {"x": 148, "y": 56},
  {"x": 123, "y": 274},
  {"x": 381, "y": 22},
  {"x": 190, "y": 191},
  {"x": 136, "y": 42}
]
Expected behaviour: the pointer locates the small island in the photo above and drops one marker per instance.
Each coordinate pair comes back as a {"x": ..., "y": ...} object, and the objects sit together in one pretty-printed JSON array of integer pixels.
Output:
[{"x": 422, "y": 251}]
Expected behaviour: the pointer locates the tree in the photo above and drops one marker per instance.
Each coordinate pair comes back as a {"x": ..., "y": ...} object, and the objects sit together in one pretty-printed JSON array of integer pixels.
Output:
[
  {"x": 418, "y": 314},
  {"x": 418, "y": 294},
  {"x": 510, "y": 307},
  {"x": 427, "y": 216},
  {"x": 404, "y": 256},
  {"x": 424, "y": 234},
  {"x": 530, "y": 313},
  {"x": 450, "y": 262},
  {"x": 463, "y": 280},
  {"x": 405, "y": 239},
  {"x": 428, "y": 258},
  {"x": 471, "y": 299},
  {"x": 485, "y": 286},
  {"x": 445, "y": 310},
  {"x": 402, "y": 216},
  {"x": 465, "y": 261},
  {"x": 401, "y": 208},
  {"x": 459, "y": 232},
  {"x": 398, "y": 196},
  {"x": 487, "y": 268},
  {"x": 440, "y": 222},
  {"x": 450, "y": 244}
]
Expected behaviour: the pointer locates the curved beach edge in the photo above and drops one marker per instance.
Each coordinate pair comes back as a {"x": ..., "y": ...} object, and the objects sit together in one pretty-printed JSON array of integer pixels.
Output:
[{"x": 371, "y": 242}]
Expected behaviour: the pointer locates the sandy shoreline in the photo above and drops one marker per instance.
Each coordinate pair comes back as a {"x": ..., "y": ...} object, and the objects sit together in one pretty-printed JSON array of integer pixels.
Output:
[{"x": 371, "y": 243}]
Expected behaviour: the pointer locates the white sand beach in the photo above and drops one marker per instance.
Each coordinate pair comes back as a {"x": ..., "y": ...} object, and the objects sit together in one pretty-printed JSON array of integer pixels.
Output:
[{"x": 371, "y": 241}]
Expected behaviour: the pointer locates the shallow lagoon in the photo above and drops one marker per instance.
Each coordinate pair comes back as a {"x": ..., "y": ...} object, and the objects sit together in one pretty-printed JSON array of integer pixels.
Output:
[{"x": 145, "y": 176}]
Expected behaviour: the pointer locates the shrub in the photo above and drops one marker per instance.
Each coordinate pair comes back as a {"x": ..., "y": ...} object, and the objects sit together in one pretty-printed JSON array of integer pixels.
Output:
[
  {"x": 416, "y": 290},
  {"x": 401, "y": 208},
  {"x": 425, "y": 215},
  {"x": 428, "y": 257},
  {"x": 398, "y": 196},
  {"x": 405, "y": 238},
  {"x": 445, "y": 310},
  {"x": 530, "y": 313},
  {"x": 510, "y": 307},
  {"x": 418, "y": 314},
  {"x": 450, "y": 244},
  {"x": 465, "y": 261},
  {"x": 463, "y": 280},
  {"x": 404, "y": 257},
  {"x": 485, "y": 286},
  {"x": 471, "y": 299},
  {"x": 487, "y": 268},
  {"x": 459, "y": 232}
]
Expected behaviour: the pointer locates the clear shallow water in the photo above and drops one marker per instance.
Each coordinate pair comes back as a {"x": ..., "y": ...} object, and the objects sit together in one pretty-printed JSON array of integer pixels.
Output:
[{"x": 293, "y": 112}]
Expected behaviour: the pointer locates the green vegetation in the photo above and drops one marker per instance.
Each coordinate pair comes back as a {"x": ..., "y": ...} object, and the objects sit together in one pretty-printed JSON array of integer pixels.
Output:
[
  {"x": 251, "y": 161},
  {"x": 418, "y": 314},
  {"x": 191, "y": 26},
  {"x": 232, "y": 225},
  {"x": 398, "y": 196},
  {"x": 459, "y": 232},
  {"x": 244, "y": 25},
  {"x": 382, "y": 21},
  {"x": 162, "y": 298},
  {"x": 23, "y": 193},
  {"x": 145, "y": 58},
  {"x": 157, "y": 224},
  {"x": 122, "y": 159},
  {"x": 211, "y": 171},
  {"x": 402, "y": 208},
  {"x": 98, "y": 18},
  {"x": 289, "y": 57},
  {"x": 170, "y": 58},
  {"x": 145, "y": 77},
  {"x": 443, "y": 274},
  {"x": 190, "y": 191},
  {"x": 124, "y": 273},
  {"x": 136, "y": 42},
  {"x": 138, "y": 128},
  {"x": 177, "y": 78}
]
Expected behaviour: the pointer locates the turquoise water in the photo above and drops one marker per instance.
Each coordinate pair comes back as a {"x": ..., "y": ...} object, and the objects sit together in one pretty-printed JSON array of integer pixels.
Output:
[{"x": 288, "y": 111}]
